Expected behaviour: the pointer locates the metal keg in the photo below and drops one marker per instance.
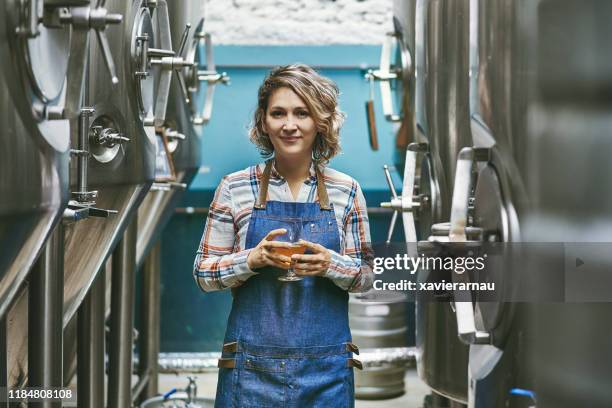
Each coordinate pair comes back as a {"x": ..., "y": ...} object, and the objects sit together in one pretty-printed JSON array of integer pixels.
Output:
[{"x": 378, "y": 325}]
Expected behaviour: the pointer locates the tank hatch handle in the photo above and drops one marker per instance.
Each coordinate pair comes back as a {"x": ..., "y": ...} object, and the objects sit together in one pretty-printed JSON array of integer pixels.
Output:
[
  {"x": 385, "y": 74},
  {"x": 209, "y": 75},
  {"x": 407, "y": 204},
  {"x": 370, "y": 113},
  {"x": 167, "y": 60},
  {"x": 464, "y": 309},
  {"x": 97, "y": 19}
]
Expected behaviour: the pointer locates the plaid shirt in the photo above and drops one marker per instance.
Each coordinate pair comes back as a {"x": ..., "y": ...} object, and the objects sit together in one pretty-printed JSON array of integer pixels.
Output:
[{"x": 221, "y": 259}]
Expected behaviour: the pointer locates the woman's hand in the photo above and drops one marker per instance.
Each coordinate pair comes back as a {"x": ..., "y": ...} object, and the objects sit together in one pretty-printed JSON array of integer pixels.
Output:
[
  {"x": 315, "y": 264},
  {"x": 264, "y": 255}
]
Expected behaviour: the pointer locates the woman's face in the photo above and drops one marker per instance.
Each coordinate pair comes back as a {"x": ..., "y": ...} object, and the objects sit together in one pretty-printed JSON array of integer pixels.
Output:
[{"x": 289, "y": 124}]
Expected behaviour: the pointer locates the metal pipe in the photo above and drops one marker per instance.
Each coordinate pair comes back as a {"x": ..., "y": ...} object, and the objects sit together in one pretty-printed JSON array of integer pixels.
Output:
[
  {"x": 204, "y": 210},
  {"x": 150, "y": 318},
  {"x": 83, "y": 143},
  {"x": 45, "y": 309},
  {"x": 143, "y": 381},
  {"x": 122, "y": 319},
  {"x": 361, "y": 67},
  {"x": 90, "y": 345}
]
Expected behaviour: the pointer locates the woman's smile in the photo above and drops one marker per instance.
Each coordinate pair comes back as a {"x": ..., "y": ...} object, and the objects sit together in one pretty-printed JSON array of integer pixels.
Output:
[{"x": 290, "y": 139}]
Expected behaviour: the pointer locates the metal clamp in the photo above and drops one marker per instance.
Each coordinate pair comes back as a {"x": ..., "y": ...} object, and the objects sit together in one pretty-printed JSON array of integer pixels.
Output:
[
  {"x": 82, "y": 195},
  {"x": 173, "y": 134},
  {"x": 464, "y": 310},
  {"x": 97, "y": 19},
  {"x": 406, "y": 204},
  {"x": 143, "y": 46},
  {"x": 209, "y": 75},
  {"x": 385, "y": 75},
  {"x": 167, "y": 60}
]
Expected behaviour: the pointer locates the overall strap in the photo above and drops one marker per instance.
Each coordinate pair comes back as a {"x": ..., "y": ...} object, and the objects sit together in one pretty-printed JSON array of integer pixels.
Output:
[
  {"x": 265, "y": 181},
  {"x": 263, "y": 186},
  {"x": 322, "y": 190}
]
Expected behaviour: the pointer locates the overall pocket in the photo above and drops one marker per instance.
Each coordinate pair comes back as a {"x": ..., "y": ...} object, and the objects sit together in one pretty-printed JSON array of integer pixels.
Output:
[{"x": 262, "y": 382}]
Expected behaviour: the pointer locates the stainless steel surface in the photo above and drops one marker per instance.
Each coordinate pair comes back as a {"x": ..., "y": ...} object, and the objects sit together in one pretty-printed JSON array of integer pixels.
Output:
[
  {"x": 149, "y": 338},
  {"x": 158, "y": 205},
  {"x": 379, "y": 324},
  {"x": 122, "y": 320},
  {"x": 442, "y": 118},
  {"x": 383, "y": 372},
  {"x": 33, "y": 150},
  {"x": 188, "y": 362},
  {"x": 570, "y": 122},
  {"x": 380, "y": 383},
  {"x": 464, "y": 310},
  {"x": 120, "y": 182},
  {"x": 501, "y": 74},
  {"x": 45, "y": 319},
  {"x": 90, "y": 346}
]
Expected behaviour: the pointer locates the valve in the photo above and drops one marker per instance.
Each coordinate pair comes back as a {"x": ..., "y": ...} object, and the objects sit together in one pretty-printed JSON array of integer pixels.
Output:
[
  {"x": 82, "y": 204},
  {"x": 191, "y": 390},
  {"x": 107, "y": 137}
]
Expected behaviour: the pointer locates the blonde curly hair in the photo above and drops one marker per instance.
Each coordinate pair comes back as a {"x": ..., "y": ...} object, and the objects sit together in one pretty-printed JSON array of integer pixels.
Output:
[{"x": 320, "y": 94}]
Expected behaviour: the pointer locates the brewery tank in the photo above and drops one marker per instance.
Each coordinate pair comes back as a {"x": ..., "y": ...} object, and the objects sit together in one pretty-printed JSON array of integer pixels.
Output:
[
  {"x": 441, "y": 357},
  {"x": 183, "y": 135},
  {"x": 34, "y": 146},
  {"x": 120, "y": 137}
]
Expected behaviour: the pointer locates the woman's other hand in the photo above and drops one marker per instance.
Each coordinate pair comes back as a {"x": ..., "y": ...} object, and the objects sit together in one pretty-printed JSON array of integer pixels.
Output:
[
  {"x": 315, "y": 264},
  {"x": 264, "y": 255}
]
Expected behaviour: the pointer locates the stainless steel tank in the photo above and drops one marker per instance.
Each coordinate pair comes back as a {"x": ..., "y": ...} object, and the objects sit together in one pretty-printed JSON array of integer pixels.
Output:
[
  {"x": 570, "y": 185},
  {"x": 501, "y": 73},
  {"x": 121, "y": 139},
  {"x": 34, "y": 145},
  {"x": 442, "y": 361},
  {"x": 183, "y": 127},
  {"x": 432, "y": 64}
]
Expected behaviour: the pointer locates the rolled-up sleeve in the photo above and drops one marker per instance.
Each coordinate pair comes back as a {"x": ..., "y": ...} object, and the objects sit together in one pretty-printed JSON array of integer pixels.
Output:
[
  {"x": 351, "y": 270},
  {"x": 219, "y": 262}
]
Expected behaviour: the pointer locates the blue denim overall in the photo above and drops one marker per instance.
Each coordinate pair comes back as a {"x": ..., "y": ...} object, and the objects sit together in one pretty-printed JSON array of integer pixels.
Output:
[{"x": 287, "y": 344}]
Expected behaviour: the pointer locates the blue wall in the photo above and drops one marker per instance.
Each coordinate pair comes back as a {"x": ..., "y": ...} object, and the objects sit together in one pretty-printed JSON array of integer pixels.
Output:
[
  {"x": 191, "y": 320},
  {"x": 226, "y": 146}
]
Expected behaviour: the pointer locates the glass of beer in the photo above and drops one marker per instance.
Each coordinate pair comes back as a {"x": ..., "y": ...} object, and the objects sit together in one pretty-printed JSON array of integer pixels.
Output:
[{"x": 292, "y": 237}]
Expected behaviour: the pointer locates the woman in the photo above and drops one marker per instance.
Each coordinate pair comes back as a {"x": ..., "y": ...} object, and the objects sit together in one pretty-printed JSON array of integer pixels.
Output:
[{"x": 288, "y": 344}]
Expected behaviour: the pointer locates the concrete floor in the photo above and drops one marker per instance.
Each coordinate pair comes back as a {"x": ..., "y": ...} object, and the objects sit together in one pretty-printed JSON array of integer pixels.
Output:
[{"x": 207, "y": 385}]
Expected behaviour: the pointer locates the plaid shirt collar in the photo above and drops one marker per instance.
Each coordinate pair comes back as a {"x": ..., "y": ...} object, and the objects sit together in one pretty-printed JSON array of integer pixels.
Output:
[{"x": 276, "y": 175}]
